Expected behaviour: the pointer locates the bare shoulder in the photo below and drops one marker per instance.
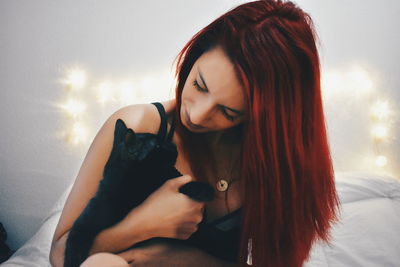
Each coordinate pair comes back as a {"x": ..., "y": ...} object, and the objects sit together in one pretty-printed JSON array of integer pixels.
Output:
[{"x": 143, "y": 118}]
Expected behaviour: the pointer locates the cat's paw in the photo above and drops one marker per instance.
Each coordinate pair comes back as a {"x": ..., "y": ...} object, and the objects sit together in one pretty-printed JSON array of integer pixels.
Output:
[{"x": 198, "y": 190}]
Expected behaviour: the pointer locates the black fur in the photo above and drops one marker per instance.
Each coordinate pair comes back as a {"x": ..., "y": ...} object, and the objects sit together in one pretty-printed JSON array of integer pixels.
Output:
[{"x": 137, "y": 166}]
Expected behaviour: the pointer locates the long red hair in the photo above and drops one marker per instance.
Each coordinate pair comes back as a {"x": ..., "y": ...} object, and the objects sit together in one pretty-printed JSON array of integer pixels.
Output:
[{"x": 289, "y": 194}]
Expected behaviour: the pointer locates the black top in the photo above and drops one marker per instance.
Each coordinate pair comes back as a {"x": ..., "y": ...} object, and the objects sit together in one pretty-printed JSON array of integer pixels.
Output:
[
  {"x": 219, "y": 237},
  {"x": 163, "y": 126}
]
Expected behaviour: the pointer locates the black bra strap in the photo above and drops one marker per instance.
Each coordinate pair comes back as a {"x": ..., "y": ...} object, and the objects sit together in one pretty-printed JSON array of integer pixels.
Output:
[{"x": 163, "y": 127}]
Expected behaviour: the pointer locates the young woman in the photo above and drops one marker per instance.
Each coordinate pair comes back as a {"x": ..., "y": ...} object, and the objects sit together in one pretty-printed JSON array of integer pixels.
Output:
[{"x": 248, "y": 118}]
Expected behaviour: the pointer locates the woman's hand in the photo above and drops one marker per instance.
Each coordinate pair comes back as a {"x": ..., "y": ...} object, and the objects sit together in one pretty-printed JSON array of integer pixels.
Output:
[{"x": 168, "y": 213}]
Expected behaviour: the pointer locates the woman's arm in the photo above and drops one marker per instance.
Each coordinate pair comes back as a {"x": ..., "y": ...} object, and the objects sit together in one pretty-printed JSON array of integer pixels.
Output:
[
  {"x": 113, "y": 239},
  {"x": 88, "y": 179},
  {"x": 165, "y": 253},
  {"x": 189, "y": 257},
  {"x": 121, "y": 236}
]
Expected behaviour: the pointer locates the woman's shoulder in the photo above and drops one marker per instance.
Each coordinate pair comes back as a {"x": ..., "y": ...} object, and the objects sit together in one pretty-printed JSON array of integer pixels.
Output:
[{"x": 143, "y": 118}]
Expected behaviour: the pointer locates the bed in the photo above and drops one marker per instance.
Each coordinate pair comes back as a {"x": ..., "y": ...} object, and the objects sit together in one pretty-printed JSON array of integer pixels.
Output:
[{"x": 367, "y": 235}]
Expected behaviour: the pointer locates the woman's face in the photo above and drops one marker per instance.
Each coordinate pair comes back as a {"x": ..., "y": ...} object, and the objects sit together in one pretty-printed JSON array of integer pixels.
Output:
[{"x": 212, "y": 98}]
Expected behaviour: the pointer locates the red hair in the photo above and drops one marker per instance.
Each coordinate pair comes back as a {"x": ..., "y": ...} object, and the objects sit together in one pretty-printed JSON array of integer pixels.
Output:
[{"x": 289, "y": 194}]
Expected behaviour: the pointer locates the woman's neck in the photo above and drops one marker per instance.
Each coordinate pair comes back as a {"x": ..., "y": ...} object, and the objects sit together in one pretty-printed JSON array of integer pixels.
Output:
[{"x": 225, "y": 138}]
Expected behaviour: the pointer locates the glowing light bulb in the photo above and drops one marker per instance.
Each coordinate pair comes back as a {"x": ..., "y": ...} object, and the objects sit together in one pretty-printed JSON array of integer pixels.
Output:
[
  {"x": 126, "y": 93},
  {"x": 79, "y": 133},
  {"x": 381, "y": 161},
  {"x": 76, "y": 78},
  {"x": 105, "y": 92},
  {"x": 332, "y": 84},
  {"x": 379, "y": 132},
  {"x": 380, "y": 110},
  {"x": 74, "y": 108},
  {"x": 360, "y": 80}
]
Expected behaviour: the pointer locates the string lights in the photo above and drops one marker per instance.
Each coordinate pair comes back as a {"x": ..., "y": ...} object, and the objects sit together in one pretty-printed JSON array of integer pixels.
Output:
[
  {"x": 355, "y": 99},
  {"x": 86, "y": 100},
  {"x": 380, "y": 114},
  {"x": 76, "y": 78}
]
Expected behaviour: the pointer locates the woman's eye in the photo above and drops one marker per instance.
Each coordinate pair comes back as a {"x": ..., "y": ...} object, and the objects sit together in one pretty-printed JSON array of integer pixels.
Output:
[
  {"x": 229, "y": 117},
  {"x": 199, "y": 88},
  {"x": 195, "y": 83}
]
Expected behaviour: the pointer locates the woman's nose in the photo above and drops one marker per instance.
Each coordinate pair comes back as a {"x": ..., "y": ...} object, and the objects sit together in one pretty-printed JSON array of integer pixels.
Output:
[{"x": 199, "y": 114}]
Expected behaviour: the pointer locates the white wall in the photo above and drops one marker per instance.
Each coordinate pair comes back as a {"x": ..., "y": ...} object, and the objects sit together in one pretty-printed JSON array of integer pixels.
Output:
[{"x": 121, "y": 40}]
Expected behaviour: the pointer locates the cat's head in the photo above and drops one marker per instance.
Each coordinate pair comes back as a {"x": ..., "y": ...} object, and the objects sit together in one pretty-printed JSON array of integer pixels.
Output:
[{"x": 142, "y": 146}]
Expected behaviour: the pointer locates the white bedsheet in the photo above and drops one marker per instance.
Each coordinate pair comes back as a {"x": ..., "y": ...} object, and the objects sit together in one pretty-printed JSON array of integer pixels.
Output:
[
  {"x": 368, "y": 234},
  {"x": 35, "y": 252}
]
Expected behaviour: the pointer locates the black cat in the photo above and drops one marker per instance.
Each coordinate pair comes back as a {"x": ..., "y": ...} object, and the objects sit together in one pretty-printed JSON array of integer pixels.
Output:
[{"x": 138, "y": 165}]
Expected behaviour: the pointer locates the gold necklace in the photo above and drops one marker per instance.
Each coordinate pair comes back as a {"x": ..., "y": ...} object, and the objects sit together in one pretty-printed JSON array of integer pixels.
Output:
[{"x": 222, "y": 185}]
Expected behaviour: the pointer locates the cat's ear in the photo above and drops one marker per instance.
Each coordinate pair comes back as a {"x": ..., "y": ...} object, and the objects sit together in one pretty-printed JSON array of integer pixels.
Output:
[
  {"x": 119, "y": 131},
  {"x": 130, "y": 137}
]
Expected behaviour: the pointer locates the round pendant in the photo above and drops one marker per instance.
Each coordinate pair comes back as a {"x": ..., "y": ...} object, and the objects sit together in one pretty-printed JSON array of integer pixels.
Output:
[{"x": 222, "y": 185}]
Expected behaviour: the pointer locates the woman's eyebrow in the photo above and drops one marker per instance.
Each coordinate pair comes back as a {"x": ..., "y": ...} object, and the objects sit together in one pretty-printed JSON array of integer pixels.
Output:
[{"x": 205, "y": 85}]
